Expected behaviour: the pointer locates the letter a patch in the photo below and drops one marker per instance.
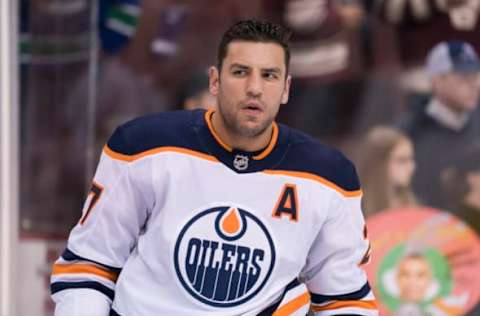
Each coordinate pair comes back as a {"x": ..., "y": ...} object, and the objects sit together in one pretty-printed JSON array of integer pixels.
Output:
[{"x": 287, "y": 203}]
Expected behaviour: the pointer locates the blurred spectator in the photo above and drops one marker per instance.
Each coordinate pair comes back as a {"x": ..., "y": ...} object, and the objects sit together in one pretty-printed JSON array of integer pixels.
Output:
[
  {"x": 386, "y": 165},
  {"x": 146, "y": 51},
  {"x": 194, "y": 92},
  {"x": 171, "y": 39},
  {"x": 420, "y": 24},
  {"x": 117, "y": 23},
  {"x": 461, "y": 184},
  {"x": 125, "y": 84},
  {"x": 448, "y": 122},
  {"x": 184, "y": 34},
  {"x": 327, "y": 63}
]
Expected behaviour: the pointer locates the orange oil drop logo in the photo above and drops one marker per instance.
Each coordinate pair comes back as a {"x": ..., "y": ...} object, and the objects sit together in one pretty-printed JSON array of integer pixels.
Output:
[{"x": 231, "y": 222}]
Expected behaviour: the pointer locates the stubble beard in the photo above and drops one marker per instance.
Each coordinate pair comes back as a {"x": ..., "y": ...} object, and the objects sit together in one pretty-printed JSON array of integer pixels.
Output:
[
  {"x": 252, "y": 132},
  {"x": 241, "y": 128}
]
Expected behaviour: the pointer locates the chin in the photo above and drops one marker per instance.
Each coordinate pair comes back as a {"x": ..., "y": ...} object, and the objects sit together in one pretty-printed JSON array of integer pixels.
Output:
[
  {"x": 247, "y": 129},
  {"x": 251, "y": 130}
]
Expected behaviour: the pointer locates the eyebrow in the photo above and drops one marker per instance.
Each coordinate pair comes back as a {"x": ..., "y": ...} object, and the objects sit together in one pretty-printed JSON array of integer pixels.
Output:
[
  {"x": 271, "y": 70},
  {"x": 237, "y": 65},
  {"x": 275, "y": 70}
]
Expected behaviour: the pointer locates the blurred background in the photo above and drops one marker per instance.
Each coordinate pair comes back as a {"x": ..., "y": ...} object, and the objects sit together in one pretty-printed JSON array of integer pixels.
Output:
[{"x": 361, "y": 83}]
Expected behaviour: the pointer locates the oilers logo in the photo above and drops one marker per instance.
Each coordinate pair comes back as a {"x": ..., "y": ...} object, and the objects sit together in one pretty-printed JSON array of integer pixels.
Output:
[{"x": 224, "y": 256}]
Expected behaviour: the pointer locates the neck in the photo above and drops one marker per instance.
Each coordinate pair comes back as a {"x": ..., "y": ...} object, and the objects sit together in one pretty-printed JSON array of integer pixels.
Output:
[
  {"x": 448, "y": 115},
  {"x": 235, "y": 140},
  {"x": 400, "y": 196}
]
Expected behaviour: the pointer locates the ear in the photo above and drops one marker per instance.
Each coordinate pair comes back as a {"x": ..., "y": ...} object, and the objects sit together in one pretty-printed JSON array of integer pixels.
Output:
[
  {"x": 214, "y": 80},
  {"x": 286, "y": 90}
]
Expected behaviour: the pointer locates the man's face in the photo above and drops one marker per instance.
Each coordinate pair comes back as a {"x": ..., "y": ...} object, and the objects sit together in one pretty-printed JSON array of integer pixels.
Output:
[
  {"x": 460, "y": 91},
  {"x": 413, "y": 278},
  {"x": 250, "y": 87}
]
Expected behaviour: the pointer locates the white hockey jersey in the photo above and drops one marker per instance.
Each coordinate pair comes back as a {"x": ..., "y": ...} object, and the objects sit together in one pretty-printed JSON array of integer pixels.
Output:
[{"x": 179, "y": 223}]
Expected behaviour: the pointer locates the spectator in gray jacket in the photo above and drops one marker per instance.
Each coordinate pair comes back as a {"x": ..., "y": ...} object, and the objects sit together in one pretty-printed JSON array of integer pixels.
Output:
[{"x": 449, "y": 121}]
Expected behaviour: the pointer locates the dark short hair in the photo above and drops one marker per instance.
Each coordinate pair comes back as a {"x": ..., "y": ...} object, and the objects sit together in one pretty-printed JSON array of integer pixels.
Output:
[{"x": 255, "y": 31}]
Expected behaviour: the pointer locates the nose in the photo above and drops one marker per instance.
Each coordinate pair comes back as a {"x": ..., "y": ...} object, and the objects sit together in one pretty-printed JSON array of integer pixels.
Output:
[{"x": 254, "y": 85}]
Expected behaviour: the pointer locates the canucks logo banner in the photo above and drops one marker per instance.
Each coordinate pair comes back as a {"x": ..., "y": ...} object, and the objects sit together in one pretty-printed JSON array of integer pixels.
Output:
[{"x": 224, "y": 256}]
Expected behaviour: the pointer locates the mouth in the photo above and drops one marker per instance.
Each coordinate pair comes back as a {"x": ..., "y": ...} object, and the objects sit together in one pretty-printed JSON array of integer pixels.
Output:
[{"x": 252, "y": 107}]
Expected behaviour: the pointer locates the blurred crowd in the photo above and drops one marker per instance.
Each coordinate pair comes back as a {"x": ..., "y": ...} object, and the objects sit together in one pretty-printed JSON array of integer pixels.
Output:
[
  {"x": 363, "y": 81},
  {"x": 393, "y": 83}
]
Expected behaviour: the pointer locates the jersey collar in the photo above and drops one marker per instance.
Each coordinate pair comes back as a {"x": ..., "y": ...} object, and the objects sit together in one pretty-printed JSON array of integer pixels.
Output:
[
  {"x": 258, "y": 155},
  {"x": 238, "y": 160}
]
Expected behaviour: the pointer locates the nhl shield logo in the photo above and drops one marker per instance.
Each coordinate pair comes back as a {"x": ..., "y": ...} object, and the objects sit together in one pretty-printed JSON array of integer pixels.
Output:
[
  {"x": 224, "y": 256},
  {"x": 240, "y": 162}
]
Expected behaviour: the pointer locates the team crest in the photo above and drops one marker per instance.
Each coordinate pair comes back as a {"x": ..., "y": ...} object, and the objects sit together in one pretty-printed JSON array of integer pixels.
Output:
[{"x": 224, "y": 256}]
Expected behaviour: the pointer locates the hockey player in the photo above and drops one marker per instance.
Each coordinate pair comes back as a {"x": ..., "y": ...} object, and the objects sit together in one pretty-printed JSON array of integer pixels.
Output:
[{"x": 220, "y": 212}]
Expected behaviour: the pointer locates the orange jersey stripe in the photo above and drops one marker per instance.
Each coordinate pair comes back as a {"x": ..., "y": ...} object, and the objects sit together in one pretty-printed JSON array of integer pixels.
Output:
[
  {"x": 306, "y": 175},
  {"x": 293, "y": 305},
  {"x": 84, "y": 268},
  {"x": 208, "y": 119},
  {"x": 153, "y": 151},
  {"x": 95, "y": 192},
  {"x": 270, "y": 146},
  {"x": 345, "y": 304}
]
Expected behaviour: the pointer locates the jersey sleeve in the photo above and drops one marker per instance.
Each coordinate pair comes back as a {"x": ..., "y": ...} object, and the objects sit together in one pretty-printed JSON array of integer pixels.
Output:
[
  {"x": 72, "y": 302},
  {"x": 334, "y": 276},
  {"x": 113, "y": 216}
]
